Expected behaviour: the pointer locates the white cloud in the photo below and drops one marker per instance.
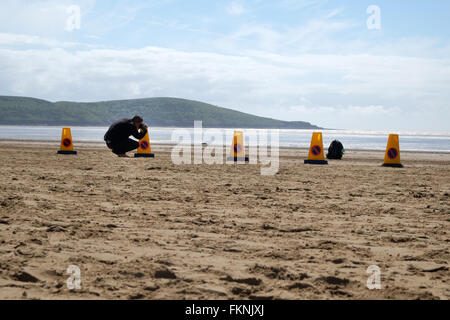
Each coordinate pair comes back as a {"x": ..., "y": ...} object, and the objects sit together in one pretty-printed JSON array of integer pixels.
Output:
[
  {"x": 11, "y": 39},
  {"x": 350, "y": 110},
  {"x": 301, "y": 4},
  {"x": 331, "y": 90},
  {"x": 235, "y": 8},
  {"x": 314, "y": 35},
  {"x": 371, "y": 110},
  {"x": 333, "y": 13},
  {"x": 292, "y": 72}
]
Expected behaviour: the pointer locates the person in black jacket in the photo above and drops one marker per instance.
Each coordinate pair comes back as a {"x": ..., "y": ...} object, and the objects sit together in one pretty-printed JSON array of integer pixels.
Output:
[{"x": 117, "y": 137}]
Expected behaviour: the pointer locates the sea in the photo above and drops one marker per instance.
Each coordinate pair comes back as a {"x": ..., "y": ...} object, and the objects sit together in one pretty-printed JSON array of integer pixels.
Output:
[{"x": 431, "y": 141}]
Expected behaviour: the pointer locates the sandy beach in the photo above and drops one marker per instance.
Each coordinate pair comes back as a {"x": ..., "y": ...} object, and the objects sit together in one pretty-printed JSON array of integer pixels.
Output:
[{"x": 149, "y": 229}]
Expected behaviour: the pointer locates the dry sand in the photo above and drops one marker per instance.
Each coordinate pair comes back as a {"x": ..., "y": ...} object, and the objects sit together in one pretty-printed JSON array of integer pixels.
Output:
[{"x": 146, "y": 228}]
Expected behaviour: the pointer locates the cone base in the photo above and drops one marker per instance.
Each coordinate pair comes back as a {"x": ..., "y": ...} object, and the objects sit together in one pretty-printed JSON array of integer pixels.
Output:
[
  {"x": 66, "y": 152},
  {"x": 316, "y": 162},
  {"x": 144, "y": 155},
  {"x": 393, "y": 165},
  {"x": 237, "y": 159}
]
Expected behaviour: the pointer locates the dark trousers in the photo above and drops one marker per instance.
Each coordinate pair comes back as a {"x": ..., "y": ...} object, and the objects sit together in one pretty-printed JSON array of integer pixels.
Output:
[{"x": 124, "y": 146}]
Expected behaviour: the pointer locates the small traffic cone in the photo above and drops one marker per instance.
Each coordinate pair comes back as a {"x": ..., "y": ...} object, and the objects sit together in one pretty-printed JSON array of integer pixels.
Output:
[
  {"x": 392, "y": 156},
  {"x": 237, "y": 151},
  {"x": 66, "y": 142},
  {"x": 144, "y": 150},
  {"x": 316, "y": 155}
]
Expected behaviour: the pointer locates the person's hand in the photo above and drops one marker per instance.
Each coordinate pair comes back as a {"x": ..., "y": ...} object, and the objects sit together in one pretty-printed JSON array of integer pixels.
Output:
[{"x": 144, "y": 126}]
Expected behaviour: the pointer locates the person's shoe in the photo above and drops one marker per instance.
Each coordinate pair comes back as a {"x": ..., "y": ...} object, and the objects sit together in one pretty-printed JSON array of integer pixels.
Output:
[{"x": 122, "y": 155}]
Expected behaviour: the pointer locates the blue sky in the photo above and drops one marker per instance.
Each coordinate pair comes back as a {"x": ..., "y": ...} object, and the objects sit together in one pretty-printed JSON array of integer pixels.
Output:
[{"x": 312, "y": 60}]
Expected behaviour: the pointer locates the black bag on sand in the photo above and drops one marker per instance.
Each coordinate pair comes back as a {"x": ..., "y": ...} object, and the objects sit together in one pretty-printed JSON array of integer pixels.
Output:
[{"x": 336, "y": 150}]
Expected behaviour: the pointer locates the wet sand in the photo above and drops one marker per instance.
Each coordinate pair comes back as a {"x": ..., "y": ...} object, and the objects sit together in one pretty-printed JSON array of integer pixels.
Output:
[{"x": 149, "y": 229}]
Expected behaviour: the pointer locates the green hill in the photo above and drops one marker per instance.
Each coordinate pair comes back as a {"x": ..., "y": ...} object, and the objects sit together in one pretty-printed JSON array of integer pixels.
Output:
[{"x": 157, "y": 112}]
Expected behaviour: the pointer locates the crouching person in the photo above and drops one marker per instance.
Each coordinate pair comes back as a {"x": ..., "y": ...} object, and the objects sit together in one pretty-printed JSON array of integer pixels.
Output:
[{"x": 117, "y": 137}]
